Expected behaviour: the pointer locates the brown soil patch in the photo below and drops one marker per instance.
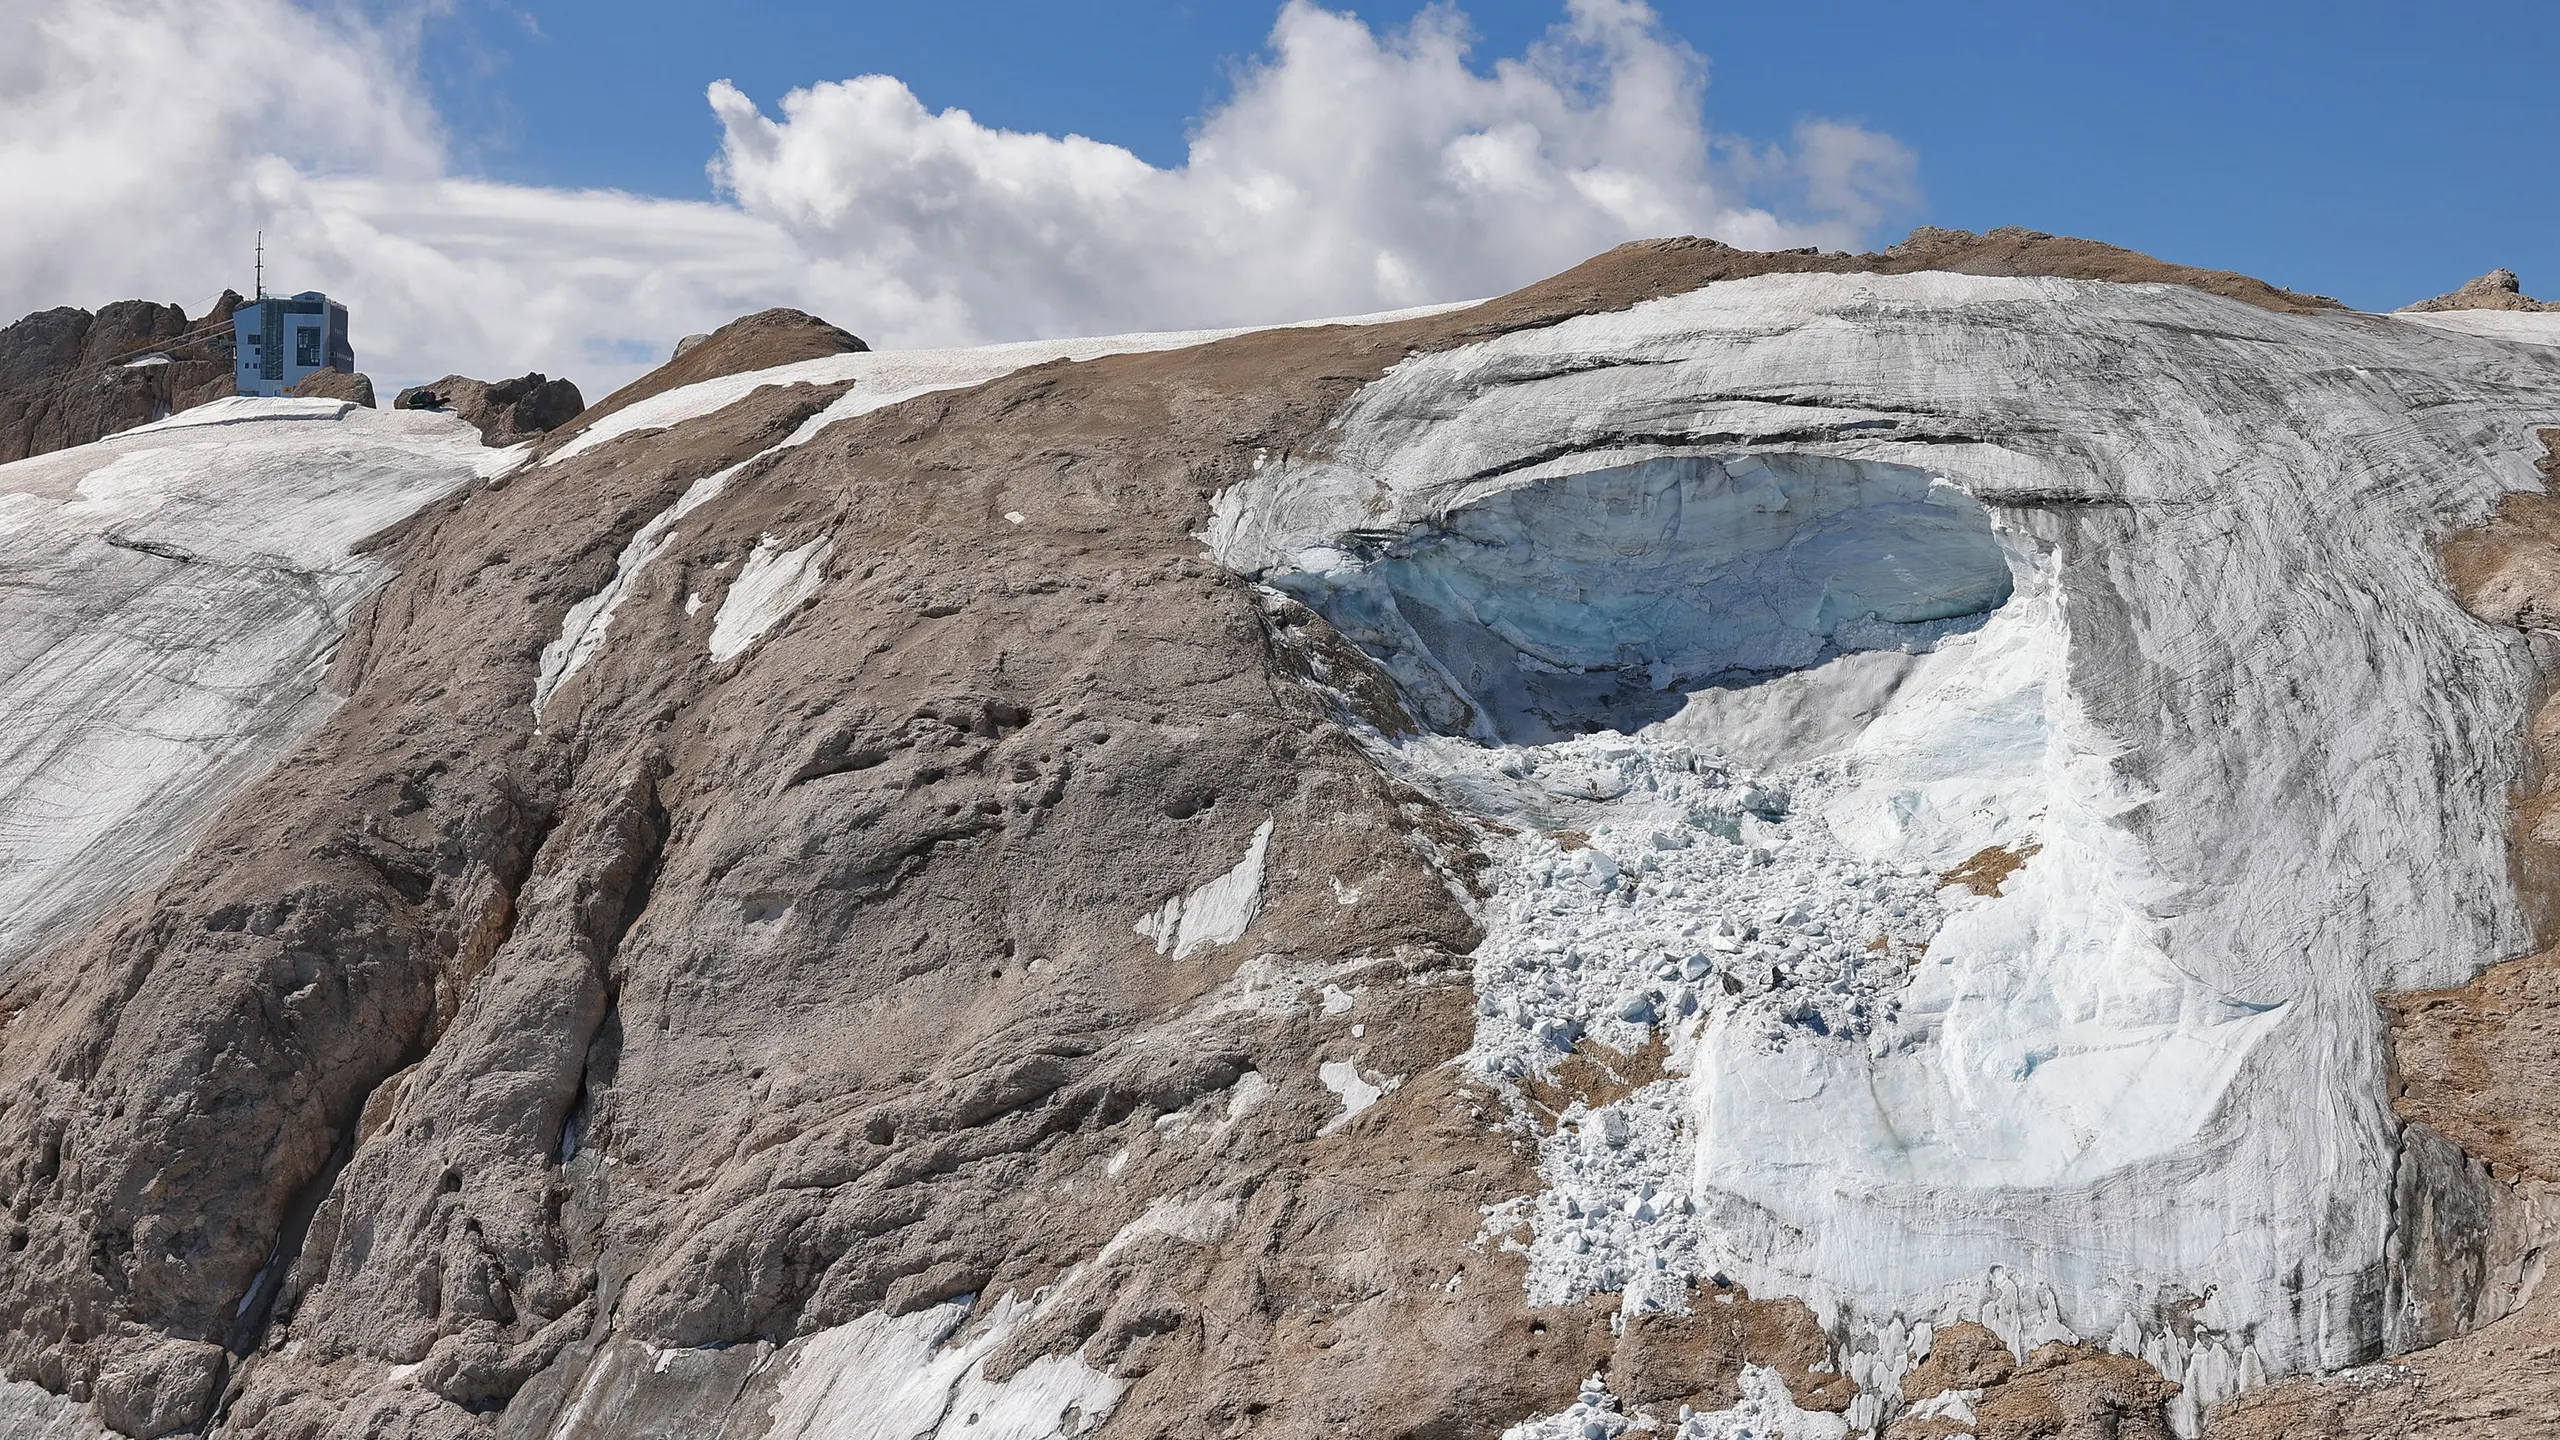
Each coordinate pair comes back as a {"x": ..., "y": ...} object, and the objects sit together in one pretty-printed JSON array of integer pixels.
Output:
[
  {"x": 1662, "y": 1362},
  {"x": 1595, "y": 1075},
  {"x": 2062, "y": 1392},
  {"x": 1985, "y": 870},
  {"x": 2475, "y": 1063}
]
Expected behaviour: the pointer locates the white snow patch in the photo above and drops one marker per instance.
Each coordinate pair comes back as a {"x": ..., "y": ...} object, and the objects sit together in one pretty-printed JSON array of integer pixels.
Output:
[
  {"x": 1766, "y": 1411},
  {"x": 769, "y": 587},
  {"x": 583, "y": 629},
  {"x": 1194, "y": 1220},
  {"x": 1956, "y": 1405},
  {"x": 2524, "y": 327},
  {"x": 1217, "y": 913},
  {"x": 880, "y": 1378},
  {"x": 1344, "y": 1080},
  {"x": 1593, "y": 1415}
]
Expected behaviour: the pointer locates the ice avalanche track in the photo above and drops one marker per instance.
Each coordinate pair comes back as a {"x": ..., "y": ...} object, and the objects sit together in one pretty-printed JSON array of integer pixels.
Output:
[{"x": 1998, "y": 735}]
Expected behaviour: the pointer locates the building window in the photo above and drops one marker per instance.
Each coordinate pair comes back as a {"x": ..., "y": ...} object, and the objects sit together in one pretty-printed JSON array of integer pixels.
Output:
[{"x": 306, "y": 346}]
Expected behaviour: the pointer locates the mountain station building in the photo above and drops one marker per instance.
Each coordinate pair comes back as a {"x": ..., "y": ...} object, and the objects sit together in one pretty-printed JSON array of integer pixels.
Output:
[{"x": 278, "y": 339}]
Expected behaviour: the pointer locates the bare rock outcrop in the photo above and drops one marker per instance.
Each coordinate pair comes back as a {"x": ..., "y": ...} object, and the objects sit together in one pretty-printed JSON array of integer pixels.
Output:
[
  {"x": 2497, "y": 290},
  {"x": 68, "y": 377},
  {"x": 1971, "y": 1385},
  {"x": 759, "y": 341},
  {"x": 337, "y": 385},
  {"x": 505, "y": 412}
]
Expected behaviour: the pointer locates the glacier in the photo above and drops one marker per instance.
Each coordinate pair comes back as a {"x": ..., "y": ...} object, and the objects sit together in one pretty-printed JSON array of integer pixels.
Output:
[
  {"x": 175, "y": 594},
  {"x": 2003, "y": 732}
]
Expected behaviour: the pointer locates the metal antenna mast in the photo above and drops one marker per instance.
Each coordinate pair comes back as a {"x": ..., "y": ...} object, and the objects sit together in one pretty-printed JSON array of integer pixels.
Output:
[{"x": 261, "y": 282}]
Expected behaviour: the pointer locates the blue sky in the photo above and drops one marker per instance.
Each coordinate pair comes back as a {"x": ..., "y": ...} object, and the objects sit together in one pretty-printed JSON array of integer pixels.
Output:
[
  {"x": 499, "y": 186},
  {"x": 2379, "y": 153}
]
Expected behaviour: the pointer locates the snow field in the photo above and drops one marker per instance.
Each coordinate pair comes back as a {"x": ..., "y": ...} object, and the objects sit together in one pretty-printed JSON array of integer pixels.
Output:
[
  {"x": 771, "y": 585},
  {"x": 917, "y": 1376}
]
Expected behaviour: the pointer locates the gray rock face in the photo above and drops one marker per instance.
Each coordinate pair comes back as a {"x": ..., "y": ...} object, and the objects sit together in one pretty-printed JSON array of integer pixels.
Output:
[
  {"x": 42, "y": 346},
  {"x": 505, "y": 412},
  {"x": 957, "y": 956}
]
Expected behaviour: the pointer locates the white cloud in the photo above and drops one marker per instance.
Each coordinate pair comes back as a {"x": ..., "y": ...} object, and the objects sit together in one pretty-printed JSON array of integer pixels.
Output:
[{"x": 1350, "y": 170}]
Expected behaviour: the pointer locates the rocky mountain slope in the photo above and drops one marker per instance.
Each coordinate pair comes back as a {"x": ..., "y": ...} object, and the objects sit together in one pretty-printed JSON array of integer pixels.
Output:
[
  {"x": 1731, "y": 844},
  {"x": 68, "y": 377}
]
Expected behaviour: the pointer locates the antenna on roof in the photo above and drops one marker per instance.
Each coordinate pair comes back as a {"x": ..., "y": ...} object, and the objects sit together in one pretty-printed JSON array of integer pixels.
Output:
[{"x": 261, "y": 281}]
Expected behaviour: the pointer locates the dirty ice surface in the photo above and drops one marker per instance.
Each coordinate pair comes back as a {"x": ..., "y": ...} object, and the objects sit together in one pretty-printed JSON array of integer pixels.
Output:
[
  {"x": 175, "y": 592},
  {"x": 1996, "y": 735}
]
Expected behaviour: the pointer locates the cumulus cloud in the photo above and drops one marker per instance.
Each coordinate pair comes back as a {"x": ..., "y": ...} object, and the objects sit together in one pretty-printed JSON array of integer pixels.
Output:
[{"x": 1349, "y": 170}]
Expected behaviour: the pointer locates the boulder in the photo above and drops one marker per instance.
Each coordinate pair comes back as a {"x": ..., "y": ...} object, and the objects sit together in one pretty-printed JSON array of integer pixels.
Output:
[
  {"x": 505, "y": 412},
  {"x": 338, "y": 385},
  {"x": 2497, "y": 290}
]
